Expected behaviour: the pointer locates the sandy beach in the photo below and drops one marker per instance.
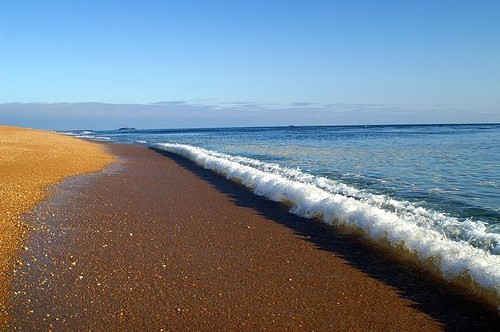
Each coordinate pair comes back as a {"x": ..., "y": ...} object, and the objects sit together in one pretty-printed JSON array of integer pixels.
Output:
[
  {"x": 30, "y": 162},
  {"x": 156, "y": 243}
]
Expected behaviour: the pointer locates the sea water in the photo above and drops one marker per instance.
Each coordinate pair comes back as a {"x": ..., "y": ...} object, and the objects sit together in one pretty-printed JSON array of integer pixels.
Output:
[{"x": 431, "y": 190}]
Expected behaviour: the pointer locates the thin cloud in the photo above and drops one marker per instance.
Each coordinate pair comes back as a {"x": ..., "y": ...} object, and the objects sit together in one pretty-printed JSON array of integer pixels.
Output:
[
  {"x": 171, "y": 103},
  {"x": 302, "y": 104},
  {"x": 210, "y": 113}
]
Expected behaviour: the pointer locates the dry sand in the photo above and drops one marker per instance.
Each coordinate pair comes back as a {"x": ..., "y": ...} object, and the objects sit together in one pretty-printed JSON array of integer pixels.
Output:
[
  {"x": 30, "y": 162},
  {"x": 156, "y": 243}
]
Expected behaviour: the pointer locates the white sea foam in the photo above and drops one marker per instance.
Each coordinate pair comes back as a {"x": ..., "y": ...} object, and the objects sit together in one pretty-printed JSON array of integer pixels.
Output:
[
  {"x": 78, "y": 133},
  {"x": 459, "y": 248},
  {"x": 94, "y": 138}
]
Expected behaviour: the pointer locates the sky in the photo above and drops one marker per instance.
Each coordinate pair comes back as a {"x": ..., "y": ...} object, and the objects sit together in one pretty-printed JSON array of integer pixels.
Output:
[{"x": 69, "y": 64}]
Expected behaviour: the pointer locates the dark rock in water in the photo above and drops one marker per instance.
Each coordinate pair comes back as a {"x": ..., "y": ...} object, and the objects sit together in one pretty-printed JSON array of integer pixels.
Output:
[{"x": 127, "y": 128}]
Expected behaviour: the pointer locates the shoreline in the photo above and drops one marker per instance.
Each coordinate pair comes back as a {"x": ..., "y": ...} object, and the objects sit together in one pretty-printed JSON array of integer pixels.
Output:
[
  {"x": 395, "y": 228},
  {"x": 31, "y": 162},
  {"x": 397, "y": 258},
  {"x": 163, "y": 241}
]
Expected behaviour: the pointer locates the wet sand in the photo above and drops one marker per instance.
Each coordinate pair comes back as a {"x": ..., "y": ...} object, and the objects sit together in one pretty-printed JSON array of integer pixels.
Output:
[
  {"x": 31, "y": 161},
  {"x": 156, "y": 243}
]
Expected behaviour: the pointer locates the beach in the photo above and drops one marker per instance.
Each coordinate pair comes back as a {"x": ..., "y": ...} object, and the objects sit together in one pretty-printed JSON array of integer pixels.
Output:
[
  {"x": 155, "y": 242},
  {"x": 30, "y": 162}
]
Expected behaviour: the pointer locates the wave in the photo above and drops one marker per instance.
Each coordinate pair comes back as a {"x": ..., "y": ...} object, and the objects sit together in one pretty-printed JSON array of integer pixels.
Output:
[
  {"x": 78, "y": 133},
  {"x": 95, "y": 138},
  {"x": 88, "y": 134},
  {"x": 459, "y": 249}
]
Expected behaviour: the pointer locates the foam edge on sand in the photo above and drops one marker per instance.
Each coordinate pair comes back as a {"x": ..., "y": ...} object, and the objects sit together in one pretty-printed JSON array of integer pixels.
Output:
[{"x": 30, "y": 162}]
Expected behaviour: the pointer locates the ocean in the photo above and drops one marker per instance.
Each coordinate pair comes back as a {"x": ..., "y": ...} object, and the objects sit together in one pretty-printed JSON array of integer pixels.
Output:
[{"x": 429, "y": 190}]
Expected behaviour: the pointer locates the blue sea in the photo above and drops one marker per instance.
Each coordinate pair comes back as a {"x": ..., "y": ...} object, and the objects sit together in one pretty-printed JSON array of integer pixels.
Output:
[{"x": 430, "y": 190}]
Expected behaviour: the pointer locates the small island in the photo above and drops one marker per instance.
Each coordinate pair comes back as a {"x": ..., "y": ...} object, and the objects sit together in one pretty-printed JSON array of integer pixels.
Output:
[{"x": 127, "y": 128}]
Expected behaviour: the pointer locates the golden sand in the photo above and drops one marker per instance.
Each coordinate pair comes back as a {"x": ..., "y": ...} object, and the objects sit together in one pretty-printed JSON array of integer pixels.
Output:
[{"x": 31, "y": 161}]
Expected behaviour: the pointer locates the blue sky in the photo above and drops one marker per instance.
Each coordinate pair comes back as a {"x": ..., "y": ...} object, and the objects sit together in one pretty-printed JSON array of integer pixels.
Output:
[{"x": 300, "y": 62}]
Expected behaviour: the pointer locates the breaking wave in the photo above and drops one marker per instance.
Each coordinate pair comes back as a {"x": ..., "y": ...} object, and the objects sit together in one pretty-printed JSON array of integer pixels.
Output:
[{"x": 459, "y": 249}]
